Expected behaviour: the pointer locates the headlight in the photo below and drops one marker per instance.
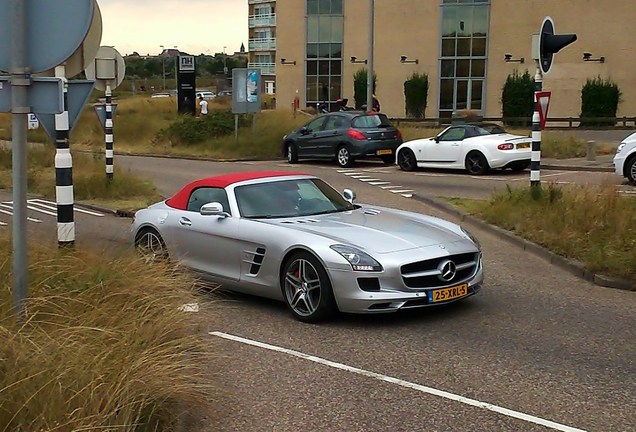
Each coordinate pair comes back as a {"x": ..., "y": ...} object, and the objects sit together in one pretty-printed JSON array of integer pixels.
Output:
[
  {"x": 359, "y": 260},
  {"x": 471, "y": 237},
  {"x": 284, "y": 137},
  {"x": 621, "y": 146}
]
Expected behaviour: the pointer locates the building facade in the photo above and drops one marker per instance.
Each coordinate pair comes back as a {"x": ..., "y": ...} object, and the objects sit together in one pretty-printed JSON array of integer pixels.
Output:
[
  {"x": 262, "y": 41},
  {"x": 467, "y": 48}
]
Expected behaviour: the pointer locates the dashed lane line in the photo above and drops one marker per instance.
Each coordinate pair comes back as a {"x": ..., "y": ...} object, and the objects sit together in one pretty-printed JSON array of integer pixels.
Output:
[{"x": 402, "y": 383}]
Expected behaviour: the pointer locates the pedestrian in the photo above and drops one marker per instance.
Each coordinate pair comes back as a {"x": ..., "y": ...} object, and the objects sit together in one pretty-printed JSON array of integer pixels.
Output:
[
  {"x": 375, "y": 104},
  {"x": 204, "y": 106}
]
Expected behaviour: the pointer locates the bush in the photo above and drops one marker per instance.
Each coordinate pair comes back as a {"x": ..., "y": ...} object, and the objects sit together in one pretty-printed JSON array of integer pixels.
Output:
[
  {"x": 192, "y": 130},
  {"x": 360, "y": 87},
  {"x": 599, "y": 99},
  {"x": 416, "y": 95},
  {"x": 517, "y": 99}
]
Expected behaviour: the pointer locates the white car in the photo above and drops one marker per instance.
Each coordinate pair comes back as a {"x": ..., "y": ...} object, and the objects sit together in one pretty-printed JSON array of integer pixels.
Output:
[
  {"x": 205, "y": 94},
  {"x": 625, "y": 158},
  {"x": 475, "y": 147}
]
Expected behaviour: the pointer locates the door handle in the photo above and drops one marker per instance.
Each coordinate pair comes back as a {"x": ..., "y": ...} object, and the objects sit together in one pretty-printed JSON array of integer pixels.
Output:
[{"x": 185, "y": 221}]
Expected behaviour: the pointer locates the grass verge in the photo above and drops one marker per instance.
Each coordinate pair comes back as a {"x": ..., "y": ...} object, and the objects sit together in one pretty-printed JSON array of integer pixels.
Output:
[
  {"x": 593, "y": 225},
  {"x": 89, "y": 179},
  {"x": 99, "y": 351}
]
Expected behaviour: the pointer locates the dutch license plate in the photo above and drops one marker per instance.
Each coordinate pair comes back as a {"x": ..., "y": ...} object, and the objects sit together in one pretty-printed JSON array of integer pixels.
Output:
[
  {"x": 383, "y": 152},
  {"x": 445, "y": 294},
  {"x": 523, "y": 145}
]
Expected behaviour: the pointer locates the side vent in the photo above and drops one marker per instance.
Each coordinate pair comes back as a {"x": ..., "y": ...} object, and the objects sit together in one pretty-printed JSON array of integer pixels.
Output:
[
  {"x": 371, "y": 211},
  {"x": 257, "y": 260}
]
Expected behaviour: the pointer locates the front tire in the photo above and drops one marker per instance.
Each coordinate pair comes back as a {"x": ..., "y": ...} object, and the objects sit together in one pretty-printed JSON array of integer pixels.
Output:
[
  {"x": 151, "y": 246},
  {"x": 292, "y": 153},
  {"x": 307, "y": 289},
  {"x": 406, "y": 160},
  {"x": 630, "y": 170},
  {"x": 343, "y": 157},
  {"x": 476, "y": 163}
]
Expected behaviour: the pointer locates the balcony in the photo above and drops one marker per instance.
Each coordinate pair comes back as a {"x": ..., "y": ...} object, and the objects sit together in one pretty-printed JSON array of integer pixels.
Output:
[
  {"x": 266, "y": 68},
  {"x": 262, "y": 20},
  {"x": 260, "y": 1},
  {"x": 265, "y": 44}
]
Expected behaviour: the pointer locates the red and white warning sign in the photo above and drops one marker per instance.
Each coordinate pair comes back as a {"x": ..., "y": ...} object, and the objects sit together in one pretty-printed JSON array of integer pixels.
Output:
[{"x": 543, "y": 103}]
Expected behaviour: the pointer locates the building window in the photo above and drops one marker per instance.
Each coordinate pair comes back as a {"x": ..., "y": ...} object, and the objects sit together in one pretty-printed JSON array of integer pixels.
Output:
[
  {"x": 463, "y": 50},
  {"x": 323, "y": 58}
]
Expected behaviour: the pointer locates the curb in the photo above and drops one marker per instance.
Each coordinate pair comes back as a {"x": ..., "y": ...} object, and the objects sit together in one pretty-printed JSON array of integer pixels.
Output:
[
  {"x": 573, "y": 267},
  {"x": 578, "y": 168}
]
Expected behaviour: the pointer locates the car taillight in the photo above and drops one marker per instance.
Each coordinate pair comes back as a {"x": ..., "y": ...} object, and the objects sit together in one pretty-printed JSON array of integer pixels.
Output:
[
  {"x": 356, "y": 134},
  {"x": 506, "y": 146},
  {"x": 398, "y": 133}
]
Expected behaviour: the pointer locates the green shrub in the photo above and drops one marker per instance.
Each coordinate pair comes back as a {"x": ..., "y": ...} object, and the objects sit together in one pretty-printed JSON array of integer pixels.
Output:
[
  {"x": 360, "y": 87},
  {"x": 415, "y": 95},
  {"x": 517, "y": 99},
  {"x": 599, "y": 99},
  {"x": 192, "y": 130}
]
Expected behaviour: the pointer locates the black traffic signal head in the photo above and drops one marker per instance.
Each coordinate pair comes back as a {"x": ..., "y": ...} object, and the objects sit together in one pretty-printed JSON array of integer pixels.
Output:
[{"x": 551, "y": 43}]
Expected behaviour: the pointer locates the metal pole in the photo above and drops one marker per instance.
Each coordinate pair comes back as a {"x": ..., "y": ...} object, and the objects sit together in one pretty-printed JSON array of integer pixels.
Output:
[
  {"x": 370, "y": 56},
  {"x": 108, "y": 129},
  {"x": 236, "y": 125},
  {"x": 63, "y": 171},
  {"x": 535, "y": 158},
  {"x": 20, "y": 83}
]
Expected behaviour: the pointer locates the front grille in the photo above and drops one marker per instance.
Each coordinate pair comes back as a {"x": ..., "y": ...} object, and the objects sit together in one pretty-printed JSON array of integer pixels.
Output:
[{"x": 426, "y": 274}]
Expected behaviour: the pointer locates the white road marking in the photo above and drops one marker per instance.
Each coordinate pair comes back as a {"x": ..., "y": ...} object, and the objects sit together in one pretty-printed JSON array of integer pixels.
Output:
[
  {"x": 390, "y": 187},
  {"x": 11, "y": 213},
  {"x": 435, "y": 175},
  {"x": 2, "y": 223},
  {"x": 368, "y": 179},
  {"x": 53, "y": 206},
  {"x": 352, "y": 173},
  {"x": 407, "y": 195},
  {"x": 402, "y": 383},
  {"x": 402, "y": 191},
  {"x": 360, "y": 177},
  {"x": 379, "y": 183}
]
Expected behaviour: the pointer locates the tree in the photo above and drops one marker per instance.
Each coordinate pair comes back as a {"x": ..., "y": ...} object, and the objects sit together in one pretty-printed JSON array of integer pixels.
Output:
[
  {"x": 517, "y": 99},
  {"x": 360, "y": 87},
  {"x": 416, "y": 95}
]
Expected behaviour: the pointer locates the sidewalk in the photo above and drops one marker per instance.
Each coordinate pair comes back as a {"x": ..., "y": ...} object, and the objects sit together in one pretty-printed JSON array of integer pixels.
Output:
[{"x": 601, "y": 163}]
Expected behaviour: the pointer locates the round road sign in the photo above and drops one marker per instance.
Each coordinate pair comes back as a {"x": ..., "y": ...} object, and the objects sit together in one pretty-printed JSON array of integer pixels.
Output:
[
  {"x": 54, "y": 31},
  {"x": 107, "y": 53}
]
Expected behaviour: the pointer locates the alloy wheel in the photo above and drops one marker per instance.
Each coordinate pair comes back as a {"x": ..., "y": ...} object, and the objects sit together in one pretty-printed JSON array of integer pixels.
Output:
[
  {"x": 302, "y": 287},
  {"x": 151, "y": 246}
]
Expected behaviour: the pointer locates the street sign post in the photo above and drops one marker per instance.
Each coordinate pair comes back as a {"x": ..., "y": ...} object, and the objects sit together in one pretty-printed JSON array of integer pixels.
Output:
[
  {"x": 543, "y": 103},
  {"x": 108, "y": 70},
  {"x": 186, "y": 85},
  {"x": 36, "y": 35}
]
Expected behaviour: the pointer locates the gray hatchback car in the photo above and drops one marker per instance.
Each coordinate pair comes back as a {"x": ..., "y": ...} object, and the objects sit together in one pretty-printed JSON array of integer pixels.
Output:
[{"x": 344, "y": 136}]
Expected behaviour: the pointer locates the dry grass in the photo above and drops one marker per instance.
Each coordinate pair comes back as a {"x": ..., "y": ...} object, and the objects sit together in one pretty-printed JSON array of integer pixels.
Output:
[
  {"x": 89, "y": 178},
  {"x": 594, "y": 225},
  {"x": 99, "y": 352}
]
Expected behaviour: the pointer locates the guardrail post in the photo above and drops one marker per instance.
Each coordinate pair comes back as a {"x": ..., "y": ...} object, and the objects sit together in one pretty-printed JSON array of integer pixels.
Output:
[{"x": 591, "y": 150}]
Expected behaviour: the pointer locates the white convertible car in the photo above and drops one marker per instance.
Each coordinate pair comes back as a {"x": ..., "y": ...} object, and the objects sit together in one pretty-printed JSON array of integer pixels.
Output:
[{"x": 476, "y": 148}]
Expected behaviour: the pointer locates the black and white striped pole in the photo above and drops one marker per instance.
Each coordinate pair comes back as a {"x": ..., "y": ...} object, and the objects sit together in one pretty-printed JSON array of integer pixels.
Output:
[
  {"x": 108, "y": 130},
  {"x": 535, "y": 157},
  {"x": 108, "y": 71},
  {"x": 64, "y": 171},
  {"x": 544, "y": 45}
]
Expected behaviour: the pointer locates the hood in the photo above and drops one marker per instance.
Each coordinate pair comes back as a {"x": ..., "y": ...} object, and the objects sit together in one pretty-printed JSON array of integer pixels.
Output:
[{"x": 374, "y": 230}]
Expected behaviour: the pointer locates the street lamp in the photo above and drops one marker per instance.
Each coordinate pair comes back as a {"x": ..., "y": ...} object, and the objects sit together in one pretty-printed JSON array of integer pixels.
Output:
[
  {"x": 224, "y": 61},
  {"x": 163, "y": 67}
]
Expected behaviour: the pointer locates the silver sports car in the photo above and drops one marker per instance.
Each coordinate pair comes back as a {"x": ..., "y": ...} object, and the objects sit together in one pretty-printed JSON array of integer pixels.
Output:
[{"x": 292, "y": 237}]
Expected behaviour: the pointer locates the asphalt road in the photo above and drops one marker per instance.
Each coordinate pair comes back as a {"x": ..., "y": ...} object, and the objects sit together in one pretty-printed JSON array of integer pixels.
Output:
[{"x": 538, "y": 349}]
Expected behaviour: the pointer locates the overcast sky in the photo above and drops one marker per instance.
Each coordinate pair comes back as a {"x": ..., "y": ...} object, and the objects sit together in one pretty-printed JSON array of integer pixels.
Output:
[{"x": 194, "y": 26}]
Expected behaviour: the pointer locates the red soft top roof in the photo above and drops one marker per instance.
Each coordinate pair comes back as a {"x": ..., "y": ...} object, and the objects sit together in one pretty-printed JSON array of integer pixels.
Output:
[{"x": 180, "y": 199}]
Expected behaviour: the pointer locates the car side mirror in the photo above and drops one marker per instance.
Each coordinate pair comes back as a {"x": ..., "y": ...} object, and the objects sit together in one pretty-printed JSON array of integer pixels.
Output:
[
  {"x": 304, "y": 130},
  {"x": 436, "y": 139},
  {"x": 213, "y": 209},
  {"x": 349, "y": 195}
]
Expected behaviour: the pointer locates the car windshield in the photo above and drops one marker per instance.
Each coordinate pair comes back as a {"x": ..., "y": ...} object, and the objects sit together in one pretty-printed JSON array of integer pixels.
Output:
[
  {"x": 289, "y": 198},
  {"x": 371, "y": 121}
]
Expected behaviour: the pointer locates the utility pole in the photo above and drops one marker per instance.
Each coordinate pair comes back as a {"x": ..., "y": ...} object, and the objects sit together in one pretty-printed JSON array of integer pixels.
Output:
[
  {"x": 163, "y": 67},
  {"x": 370, "y": 56}
]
